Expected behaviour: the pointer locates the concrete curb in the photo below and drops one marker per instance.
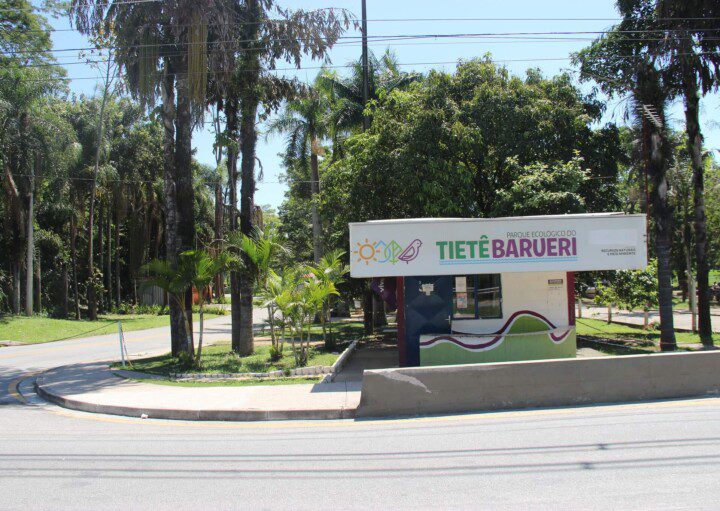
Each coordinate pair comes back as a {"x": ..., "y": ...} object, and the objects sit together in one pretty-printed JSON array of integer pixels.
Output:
[
  {"x": 191, "y": 415},
  {"x": 340, "y": 362}
]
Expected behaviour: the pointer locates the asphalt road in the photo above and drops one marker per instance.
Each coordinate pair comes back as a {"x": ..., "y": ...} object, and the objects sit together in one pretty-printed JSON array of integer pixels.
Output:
[{"x": 661, "y": 455}]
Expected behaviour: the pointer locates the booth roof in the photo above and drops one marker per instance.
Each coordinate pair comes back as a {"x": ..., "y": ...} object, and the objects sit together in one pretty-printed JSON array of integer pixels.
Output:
[{"x": 495, "y": 219}]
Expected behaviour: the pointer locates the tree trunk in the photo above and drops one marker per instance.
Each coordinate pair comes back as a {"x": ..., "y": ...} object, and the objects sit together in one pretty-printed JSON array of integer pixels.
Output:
[
  {"x": 30, "y": 250},
  {"x": 219, "y": 235},
  {"x": 694, "y": 145},
  {"x": 16, "y": 288},
  {"x": 101, "y": 245},
  {"x": 202, "y": 327},
  {"x": 185, "y": 185},
  {"x": 314, "y": 197},
  {"x": 108, "y": 263},
  {"x": 177, "y": 317},
  {"x": 73, "y": 257},
  {"x": 379, "y": 315},
  {"x": 662, "y": 216},
  {"x": 249, "y": 101},
  {"x": 248, "y": 136},
  {"x": 579, "y": 306},
  {"x": 64, "y": 291},
  {"x": 692, "y": 297},
  {"x": 232, "y": 131},
  {"x": 16, "y": 215},
  {"x": 368, "y": 310},
  {"x": 38, "y": 287},
  {"x": 118, "y": 289}
]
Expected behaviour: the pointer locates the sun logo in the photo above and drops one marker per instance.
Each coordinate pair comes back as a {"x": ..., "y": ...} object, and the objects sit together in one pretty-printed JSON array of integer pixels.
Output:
[{"x": 366, "y": 251}]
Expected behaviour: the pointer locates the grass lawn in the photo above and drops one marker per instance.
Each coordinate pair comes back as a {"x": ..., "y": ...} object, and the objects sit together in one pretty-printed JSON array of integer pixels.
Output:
[
  {"x": 39, "y": 329},
  {"x": 647, "y": 340},
  {"x": 234, "y": 383},
  {"x": 342, "y": 332},
  {"x": 218, "y": 358}
]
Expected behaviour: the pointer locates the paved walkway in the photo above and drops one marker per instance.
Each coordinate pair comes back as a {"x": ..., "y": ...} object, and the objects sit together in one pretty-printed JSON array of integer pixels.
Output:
[
  {"x": 681, "y": 318},
  {"x": 93, "y": 387}
]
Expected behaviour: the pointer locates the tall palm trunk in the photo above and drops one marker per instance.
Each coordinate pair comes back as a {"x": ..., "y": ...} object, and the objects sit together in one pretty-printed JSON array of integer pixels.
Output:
[
  {"x": 655, "y": 139},
  {"x": 108, "y": 256},
  {"x": 314, "y": 197},
  {"x": 15, "y": 269},
  {"x": 101, "y": 246},
  {"x": 64, "y": 291},
  {"x": 118, "y": 289},
  {"x": 30, "y": 250},
  {"x": 248, "y": 135},
  {"x": 249, "y": 102},
  {"x": 219, "y": 234},
  {"x": 185, "y": 189},
  {"x": 177, "y": 316},
  {"x": 694, "y": 145},
  {"x": 235, "y": 309},
  {"x": 15, "y": 211},
  {"x": 73, "y": 259},
  {"x": 38, "y": 286}
]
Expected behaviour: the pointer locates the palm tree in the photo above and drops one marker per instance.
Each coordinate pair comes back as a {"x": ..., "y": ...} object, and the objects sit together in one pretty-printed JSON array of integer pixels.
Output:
[
  {"x": 175, "y": 279},
  {"x": 260, "y": 46},
  {"x": 194, "y": 268},
  {"x": 205, "y": 268},
  {"x": 331, "y": 271},
  {"x": 691, "y": 47},
  {"x": 623, "y": 65},
  {"x": 283, "y": 293},
  {"x": 258, "y": 253},
  {"x": 270, "y": 296},
  {"x": 384, "y": 76},
  {"x": 305, "y": 122},
  {"x": 161, "y": 48},
  {"x": 312, "y": 294}
]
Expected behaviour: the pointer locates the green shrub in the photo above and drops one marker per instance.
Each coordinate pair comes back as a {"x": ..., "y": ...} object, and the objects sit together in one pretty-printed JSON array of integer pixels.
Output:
[
  {"x": 217, "y": 310},
  {"x": 276, "y": 352}
]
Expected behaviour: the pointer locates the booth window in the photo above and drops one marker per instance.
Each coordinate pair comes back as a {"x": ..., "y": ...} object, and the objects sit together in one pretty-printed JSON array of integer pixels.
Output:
[{"x": 477, "y": 296}]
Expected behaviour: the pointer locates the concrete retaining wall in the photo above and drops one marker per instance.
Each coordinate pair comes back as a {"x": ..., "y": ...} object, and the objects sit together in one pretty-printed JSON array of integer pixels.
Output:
[{"x": 507, "y": 385}]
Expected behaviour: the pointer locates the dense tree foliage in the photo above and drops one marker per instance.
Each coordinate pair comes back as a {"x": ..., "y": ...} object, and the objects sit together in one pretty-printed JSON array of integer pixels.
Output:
[{"x": 471, "y": 144}]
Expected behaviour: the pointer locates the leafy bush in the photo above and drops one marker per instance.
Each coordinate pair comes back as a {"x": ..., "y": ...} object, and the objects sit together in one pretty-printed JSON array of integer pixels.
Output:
[
  {"x": 218, "y": 311},
  {"x": 276, "y": 352}
]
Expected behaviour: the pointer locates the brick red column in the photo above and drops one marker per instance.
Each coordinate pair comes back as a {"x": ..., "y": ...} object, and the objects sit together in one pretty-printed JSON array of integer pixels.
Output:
[
  {"x": 571, "y": 297},
  {"x": 401, "y": 344}
]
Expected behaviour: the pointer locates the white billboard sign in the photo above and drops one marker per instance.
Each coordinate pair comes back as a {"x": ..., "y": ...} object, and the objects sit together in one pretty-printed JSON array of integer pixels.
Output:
[{"x": 602, "y": 241}]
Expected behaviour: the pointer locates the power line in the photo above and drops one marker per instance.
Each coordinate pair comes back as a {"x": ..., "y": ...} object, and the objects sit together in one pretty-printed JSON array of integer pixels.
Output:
[
  {"x": 385, "y": 37},
  {"x": 346, "y": 66},
  {"x": 377, "y": 43},
  {"x": 376, "y": 20}
]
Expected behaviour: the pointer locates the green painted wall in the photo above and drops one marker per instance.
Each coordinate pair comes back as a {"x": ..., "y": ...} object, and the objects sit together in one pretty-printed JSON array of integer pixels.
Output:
[
  {"x": 535, "y": 345},
  {"x": 529, "y": 347}
]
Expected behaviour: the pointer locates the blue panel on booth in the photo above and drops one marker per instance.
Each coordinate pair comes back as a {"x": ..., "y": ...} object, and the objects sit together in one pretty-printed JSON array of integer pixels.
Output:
[{"x": 428, "y": 307}]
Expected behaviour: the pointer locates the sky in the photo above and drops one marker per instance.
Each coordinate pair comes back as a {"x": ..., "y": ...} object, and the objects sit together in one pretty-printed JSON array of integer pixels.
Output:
[{"x": 405, "y": 17}]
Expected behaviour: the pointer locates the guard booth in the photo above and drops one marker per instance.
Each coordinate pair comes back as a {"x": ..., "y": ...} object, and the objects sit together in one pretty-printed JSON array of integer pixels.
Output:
[{"x": 490, "y": 290}]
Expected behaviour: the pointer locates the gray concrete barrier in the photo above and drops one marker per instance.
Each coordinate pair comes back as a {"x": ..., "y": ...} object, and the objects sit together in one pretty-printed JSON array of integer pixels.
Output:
[{"x": 512, "y": 385}]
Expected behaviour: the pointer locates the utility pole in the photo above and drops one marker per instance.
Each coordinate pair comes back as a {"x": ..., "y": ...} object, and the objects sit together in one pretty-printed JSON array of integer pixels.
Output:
[
  {"x": 366, "y": 91},
  {"x": 366, "y": 126},
  {"x": 30, "y": 255}
]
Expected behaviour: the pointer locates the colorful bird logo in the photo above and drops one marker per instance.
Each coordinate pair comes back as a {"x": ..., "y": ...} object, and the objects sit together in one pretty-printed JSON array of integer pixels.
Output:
[
  {"x": 366, "y": 252},
  {"x": 411, "y": 252}
]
